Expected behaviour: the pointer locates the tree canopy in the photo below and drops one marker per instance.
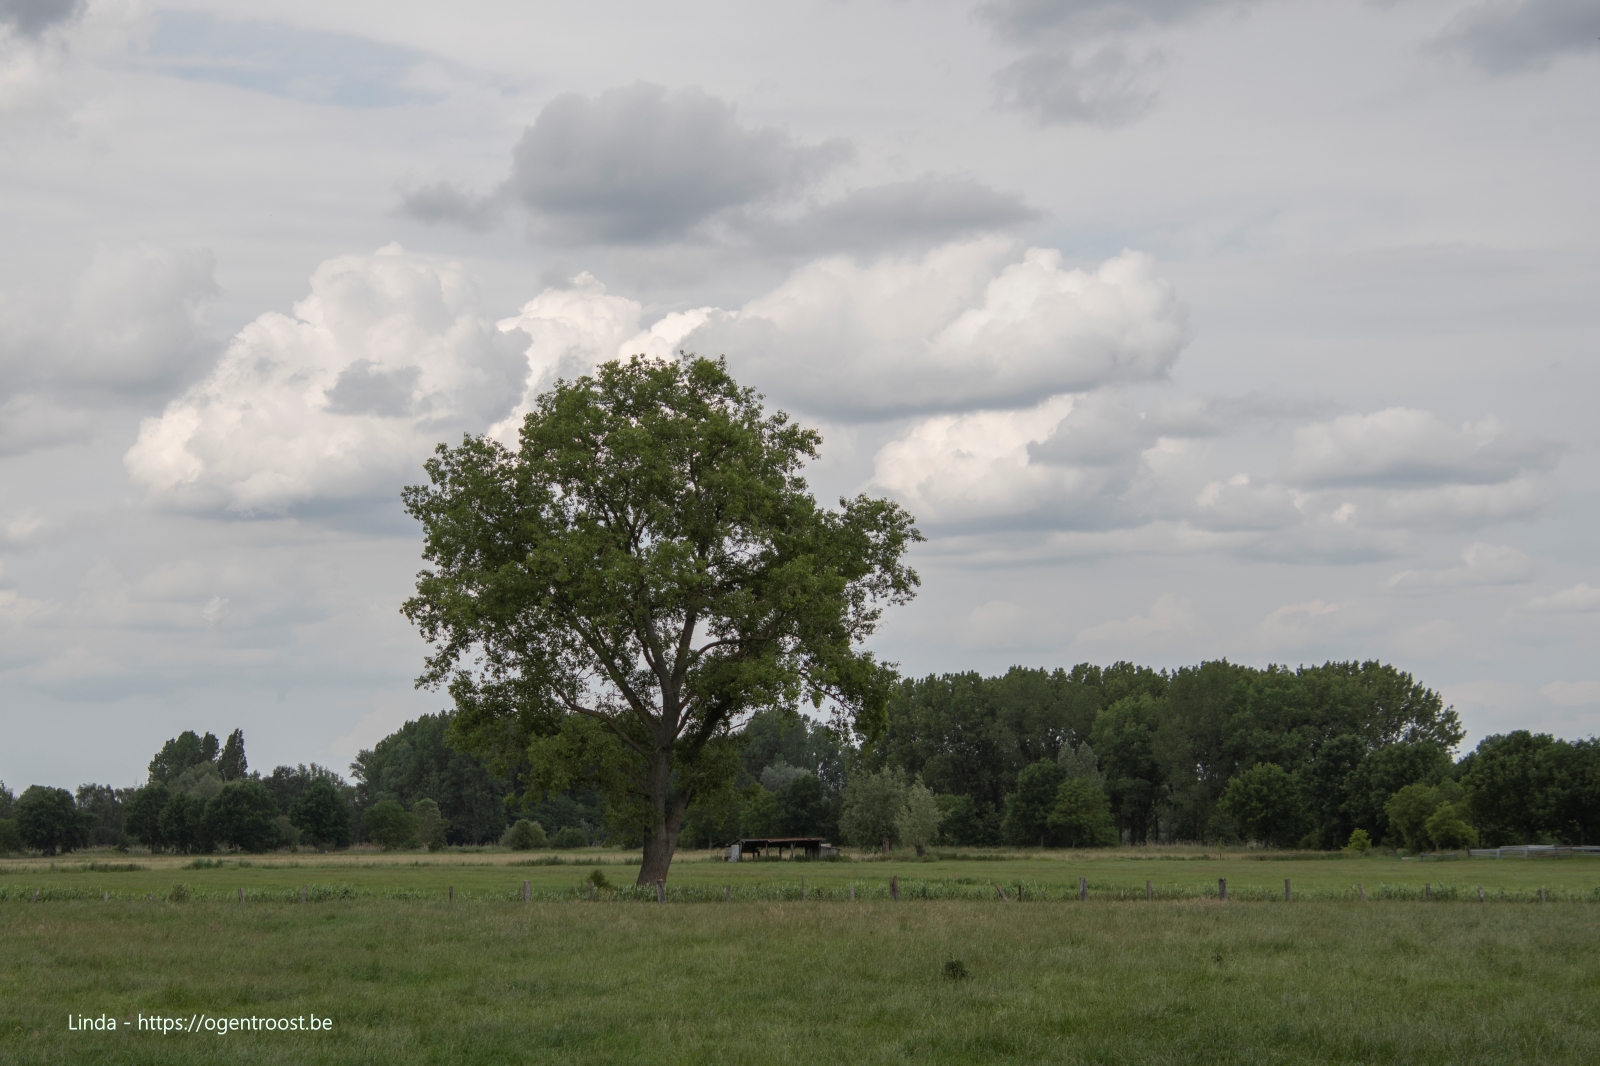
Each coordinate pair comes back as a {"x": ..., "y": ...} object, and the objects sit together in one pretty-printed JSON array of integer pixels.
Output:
[{"x": 611, "y": 599}]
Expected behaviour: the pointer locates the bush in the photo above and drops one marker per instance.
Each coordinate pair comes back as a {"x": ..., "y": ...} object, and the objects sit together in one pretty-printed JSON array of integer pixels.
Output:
[
  {"x": 917, "y": 823},
  {"x": 570, "y": 837},
  {"x": 431, "y": 825},
  {"x": 524, "y": 836},
  {"x": 1360, "y": 841},
  {"x": 871, "y": 804},
  {"x": 391, "y": 826}
]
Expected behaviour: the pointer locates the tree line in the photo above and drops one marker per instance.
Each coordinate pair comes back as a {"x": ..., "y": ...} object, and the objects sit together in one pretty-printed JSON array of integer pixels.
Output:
[{"x": 1338, "y": 755}]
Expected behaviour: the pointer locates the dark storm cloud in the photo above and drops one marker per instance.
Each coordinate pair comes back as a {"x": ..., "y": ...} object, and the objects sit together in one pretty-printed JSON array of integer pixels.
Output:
[
  {"x": 642, "y": 165},
  {"x": 30, "y": 18},
  {"x": 1505, "y": 38}
]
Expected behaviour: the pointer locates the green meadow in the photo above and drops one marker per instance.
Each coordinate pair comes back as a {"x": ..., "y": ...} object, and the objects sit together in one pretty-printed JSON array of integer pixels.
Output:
[{"x": 948, "y": 973}]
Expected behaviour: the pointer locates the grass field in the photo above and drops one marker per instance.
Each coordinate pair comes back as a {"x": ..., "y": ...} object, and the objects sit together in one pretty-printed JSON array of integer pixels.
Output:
[{"x": 408, "y": 976}]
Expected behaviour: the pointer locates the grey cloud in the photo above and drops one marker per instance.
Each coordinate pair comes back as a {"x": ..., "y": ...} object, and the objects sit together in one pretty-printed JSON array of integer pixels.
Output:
[
  {"x": 1505, "y": 38},
  {"x": 1405, "y": 448},
  {"x": 30, "y": 18},
  {"x": 642, "y": 165},
  {"x": 1109, "y": 429},
  {"x": 364, "y": 388},
  {"x": 1023, "y": 20},
  {"x": 929, "y": 210},
  {"x": 443, "y": 202},
  {"x": 1106, "y": 88}
]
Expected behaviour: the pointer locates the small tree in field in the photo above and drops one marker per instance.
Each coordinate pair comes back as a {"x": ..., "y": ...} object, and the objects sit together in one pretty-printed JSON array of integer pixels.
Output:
[
  {"x": 610, "y": 601},
  {"x": 321, "y": 815},
  {"x": 1081, "y": 817},
  {"x": 244, "y": 815},
  {"x": 917, "y": 823},
  {"x": 872, "y": 802},
  {"x": 1448, "y": 829},
  {"x": 525, "y": 836},
  {"x": 1360, "y": 842},
  {"x": 431, "y": 825},
  {"x": 1265, "y": 802},
  {"x": 49, "y": 821}
]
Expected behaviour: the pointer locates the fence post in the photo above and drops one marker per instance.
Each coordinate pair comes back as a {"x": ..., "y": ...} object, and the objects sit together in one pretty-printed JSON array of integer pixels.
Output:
[
  {"x": 36, "y": 895},
  {"x": 1541, "y": 895},
  {"x": 1083, "y": 888},
  {"x": 1149, "y": 893},
  {"x": 1222, "y": 888},
  {"x": 452, "y": 893},
  {"x": 241, "y": 895},
  {"x": 1000, "y": 890},
  {"x": 727, "y": 894},
  {"x": 526, "y": 891},
  {"x": 302, "y": 893},
  {"x": 661, "y": 891},
  {"x": 594, "y": 892},
  {"x": 105, "y": 897},
  {"x": 1286, "y": 890},
  {"x": 1427, "y": 890},
  {"x": 852, "y": 893},
  {"x": 1361, "y": 892},
  {"x": 1481, "y": 897},
  {"x": 802, "y": 890},
  {"x": 894, "y": 888}
]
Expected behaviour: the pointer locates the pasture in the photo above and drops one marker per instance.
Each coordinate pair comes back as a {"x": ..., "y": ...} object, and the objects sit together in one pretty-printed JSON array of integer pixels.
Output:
[{"x": 948, "y": 974}]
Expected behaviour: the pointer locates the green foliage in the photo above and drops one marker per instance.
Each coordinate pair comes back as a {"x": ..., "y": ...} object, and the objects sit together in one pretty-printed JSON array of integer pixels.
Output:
[
  {"x": 568, "y": 838},
  {"x": 10, "y": 836},
  {"x": 1027, "y": 817},
  {"x": 142, "y": 819},
  {"x": 202, "y": 780},
  {"x": 1448, "y": 829},
  {"x": 872, "y": 802},
  {"x": 431, "y": 825},
  {"x": 1511, "y": 785},
  {"x": 180, "y": 753},
  {"x": 104, "y": 808},
  {"x": 232, "y": 764},
  {"x": 7, "y": 799},
  {"x": 964, "y": 824},
  {"x": 1264, "y": 802},
  {"x": 183, "y": 825},
  {"x": 1359, "y": 841},
  {"x": 1081, "y": 817},
  {"x": 524, "y": 836},
  {"x": 391, "y": 826},
  {"x": 49, "y": 821},
  {"x": 1408, "y": 811},
  {"x": 803, "y": 809},
  {"x": 597, "y": 878},
  {"x": 322, "y": 814},
  {"x": 650, "y": 561},
  {"x": 917, "y": 823},
  {"x": 417, "y": 762},
  {"x": 244, "y": 816}
]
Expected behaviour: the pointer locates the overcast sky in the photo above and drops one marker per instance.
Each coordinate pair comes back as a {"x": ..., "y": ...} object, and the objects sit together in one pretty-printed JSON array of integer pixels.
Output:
[{"x": 1186, "y": 328}]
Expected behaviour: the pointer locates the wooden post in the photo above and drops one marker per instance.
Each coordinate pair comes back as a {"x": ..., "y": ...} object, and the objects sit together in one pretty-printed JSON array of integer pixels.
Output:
[
  {"x": 1286, "y": 890},
  {"x": 1481, "y": 897},
  {"x": 852, "y": 893},
  {"x": 1427, "y": 890},
  {"x": 1149, "y": 892},
  {"x": 1083, "y": 888},
  {"x": 802, "y": 890},
  {"x": 36, "y": 895},
  {"x": 661, "y": 891},
  {"x": 594, "y": 892},
  {"x": 1019, "y": 891},
  {"x": 527, "y": 891},
  {"x": 241, "y": 895},
  {"x": 452, "y": 893},
  {"x": 302, "y": 893},
  {"x": 105, "y": 897},
  {"x": 1000, "y": 890},
  {"x": 894, "y": 888},
  {"x": 1222, "y": 888},
  {"x": 727, "y": 894},
  {"x": 1541, "y": 895},
  {"x": 1362, "y": 892}
]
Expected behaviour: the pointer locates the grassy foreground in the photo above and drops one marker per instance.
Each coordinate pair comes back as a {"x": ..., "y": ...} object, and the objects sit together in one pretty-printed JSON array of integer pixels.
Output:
[{"x": 407, "y": 976}]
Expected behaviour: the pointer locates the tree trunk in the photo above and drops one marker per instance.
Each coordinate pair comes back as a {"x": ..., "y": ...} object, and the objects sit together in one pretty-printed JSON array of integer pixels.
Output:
[{"x": 667, "y": 809}]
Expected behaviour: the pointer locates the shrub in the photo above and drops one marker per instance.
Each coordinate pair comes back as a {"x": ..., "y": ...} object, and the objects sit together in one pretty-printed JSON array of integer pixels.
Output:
[
  {"x": 598, "y": 879},
  {"x": 1360, "y": 841},
  {"x": 391, "y": 826},
  {"x": 524, "y": 836},
  {"x": 917, "y": 823},
  {"x": 570, "y": 837}
]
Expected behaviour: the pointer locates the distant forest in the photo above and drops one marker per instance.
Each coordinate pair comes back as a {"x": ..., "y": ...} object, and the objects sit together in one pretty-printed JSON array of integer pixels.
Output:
[{"x": 1338, "y": 755}]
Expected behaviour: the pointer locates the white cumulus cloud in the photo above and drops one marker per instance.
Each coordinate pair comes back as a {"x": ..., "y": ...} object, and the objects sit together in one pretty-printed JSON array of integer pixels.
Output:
[{"x": 388, "y": 355}]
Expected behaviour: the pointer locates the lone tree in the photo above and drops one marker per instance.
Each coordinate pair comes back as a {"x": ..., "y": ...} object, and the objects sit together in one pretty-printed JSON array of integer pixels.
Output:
[{"x": 611, "y": 600}]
